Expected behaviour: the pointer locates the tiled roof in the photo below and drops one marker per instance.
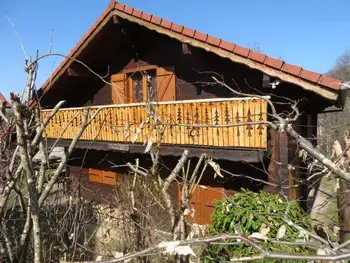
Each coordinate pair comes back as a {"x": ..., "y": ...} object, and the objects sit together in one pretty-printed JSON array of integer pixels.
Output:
[
  {"x": 2, "y": 98},
  {"x": 245, "y": 55}
]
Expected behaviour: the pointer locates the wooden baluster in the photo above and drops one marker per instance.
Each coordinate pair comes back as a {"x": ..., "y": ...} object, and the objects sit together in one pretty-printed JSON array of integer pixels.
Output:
[
  {"x": 201, "y": 122},
  {"x": 263, "y": 130},
  {"x": 216, "y": 121},
  {"x": 222, "y": 136},
  {"x": 240, "y": 119},
  {"x": 208, "y": 121},
  {"x": 255, "y": 111},
  {"x": 231, "y": 120}
]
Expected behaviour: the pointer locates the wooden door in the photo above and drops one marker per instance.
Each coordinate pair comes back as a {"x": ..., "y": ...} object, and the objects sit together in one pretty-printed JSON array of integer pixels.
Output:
[{"x": 203, "y": 203}]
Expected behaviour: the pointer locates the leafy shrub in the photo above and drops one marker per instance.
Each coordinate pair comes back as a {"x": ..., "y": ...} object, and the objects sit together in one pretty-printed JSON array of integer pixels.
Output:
[{"x": 259, "y": 213}]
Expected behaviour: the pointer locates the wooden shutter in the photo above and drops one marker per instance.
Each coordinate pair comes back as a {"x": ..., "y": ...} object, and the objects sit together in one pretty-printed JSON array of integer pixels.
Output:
[
  {"x": 95, "y": 175},
  {"x": 166, "y": 84},
  {"x": 203, "y": 202},
  {"x": 119, "y": 92},
  {"x": 104, "y": 177},
  {"x": 109, "y": 178}
]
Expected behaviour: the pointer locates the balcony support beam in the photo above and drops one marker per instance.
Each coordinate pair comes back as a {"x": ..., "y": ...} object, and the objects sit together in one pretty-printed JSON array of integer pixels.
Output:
[{"x": 249, "y": 156}]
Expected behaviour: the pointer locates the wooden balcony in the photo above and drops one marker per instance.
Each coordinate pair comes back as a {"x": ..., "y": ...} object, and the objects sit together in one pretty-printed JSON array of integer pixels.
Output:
[{"x": 132, "y": 123}]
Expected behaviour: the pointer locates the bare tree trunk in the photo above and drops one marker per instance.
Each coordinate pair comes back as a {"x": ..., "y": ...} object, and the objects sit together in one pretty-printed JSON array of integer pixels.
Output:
[{"x": 344, "y": 210}]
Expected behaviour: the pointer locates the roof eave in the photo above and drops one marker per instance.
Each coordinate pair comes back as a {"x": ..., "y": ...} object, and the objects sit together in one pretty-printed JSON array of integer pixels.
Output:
[{"x": 320, "y": 90}]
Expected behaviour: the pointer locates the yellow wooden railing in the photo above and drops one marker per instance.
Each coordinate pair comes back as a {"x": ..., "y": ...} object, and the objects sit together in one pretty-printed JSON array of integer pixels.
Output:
[{"x": 133, "y": 123}]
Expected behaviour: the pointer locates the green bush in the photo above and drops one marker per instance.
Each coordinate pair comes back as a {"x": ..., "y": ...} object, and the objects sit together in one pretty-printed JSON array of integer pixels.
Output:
[{"x": 251, "y": 212}]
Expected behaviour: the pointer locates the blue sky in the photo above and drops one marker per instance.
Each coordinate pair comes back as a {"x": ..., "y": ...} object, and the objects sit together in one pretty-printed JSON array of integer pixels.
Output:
[{"x": 309, "y": 33}]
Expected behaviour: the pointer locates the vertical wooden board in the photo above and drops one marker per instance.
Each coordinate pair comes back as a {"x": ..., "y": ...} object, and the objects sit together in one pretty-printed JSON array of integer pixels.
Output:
[
  {"x": 132, "y": 124},
  {"x": 209, "y": 121},
  {"x": 264, "y": 130},
  {"x": 194, "y": 137},
  {"x": 208, "y": 200},
  {"x": 246, "y": 109},
  {"x": 230, "y": 130},
  {"x": 103, "y": 124},
  {"x": 177, "y": 112},
  {"x": 166, "y": 82},
  {"x": 206, "y": 121},
  {"x": 118, "y": 88},
  {"x": 69, "y": 123},
  {"x": 122, "y": 122},
  {"x": 78, "y": 124},
  {"x": 92, "y": 127},
  {"x": 116, "y": 124},
  {"x": 256, "y": 119},
  {"x": 183, "y": 121},
  {"x": 130, "y": 121},
  {"x": 78, "y": 121},
  {"x": 106, "y": 125},
  {"x": 240, "y": 132},
  {"x": 189, "y": 119},
  {"x": 220, "y": 132},
  {"x": 200, "y": 130},
  {"x": 144, "y": 119},
  {"x": 250, "y": 127},
  {"x": 138, "y": 123},
  {"x": 162, "y": 108},
  {"x": 171, "y": 119},
  {"x": 96, "y": 128},
  {"x": 215, "y": 121},
  {"x": 110, "y": 124},
  {"x": 254, "y": 105}
]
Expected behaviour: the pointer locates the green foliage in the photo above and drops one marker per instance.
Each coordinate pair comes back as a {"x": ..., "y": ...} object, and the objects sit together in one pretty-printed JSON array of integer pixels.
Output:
[{"x": 263, "y": 213}]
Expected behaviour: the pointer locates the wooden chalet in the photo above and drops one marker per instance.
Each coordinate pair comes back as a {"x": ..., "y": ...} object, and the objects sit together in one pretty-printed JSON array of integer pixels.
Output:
[{"x": 147, "y": 58}]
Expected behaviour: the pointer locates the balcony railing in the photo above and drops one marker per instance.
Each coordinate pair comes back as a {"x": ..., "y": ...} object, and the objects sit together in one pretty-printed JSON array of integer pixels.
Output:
[{"x": 200, "y": 123}]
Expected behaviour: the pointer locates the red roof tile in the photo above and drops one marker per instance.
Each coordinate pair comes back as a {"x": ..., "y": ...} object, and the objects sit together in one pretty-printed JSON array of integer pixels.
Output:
[
  {"x": 241, "y": 51},
  {"x": 177, "y": 28},
  {"x": 309, "y": 75},
  {"x": 263, "y": 59},
  {"x": 227, "y": 45},
  {"x": 188, "y": 32},
  {"x": 213, "y": 41},
  {"x": 256, "y": 56},
  {"x": 273, "y": 62}
]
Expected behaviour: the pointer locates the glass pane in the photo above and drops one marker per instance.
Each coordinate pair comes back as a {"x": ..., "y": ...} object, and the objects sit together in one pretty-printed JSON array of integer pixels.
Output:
[
  {"x": 137, "y": 90},
  {"x": 152, "y": 85}
]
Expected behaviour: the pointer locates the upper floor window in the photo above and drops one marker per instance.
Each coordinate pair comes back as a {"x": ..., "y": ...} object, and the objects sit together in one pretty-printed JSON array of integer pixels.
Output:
[{"x": 143, "y": 84}]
